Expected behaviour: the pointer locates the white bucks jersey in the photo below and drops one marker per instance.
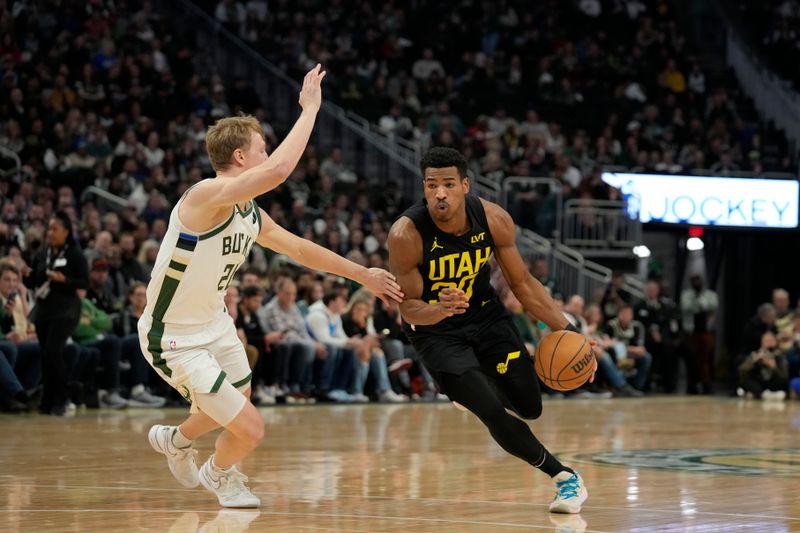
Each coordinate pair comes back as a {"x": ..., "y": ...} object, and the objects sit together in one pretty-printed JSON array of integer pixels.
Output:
[{"x": 193, "y": 271}]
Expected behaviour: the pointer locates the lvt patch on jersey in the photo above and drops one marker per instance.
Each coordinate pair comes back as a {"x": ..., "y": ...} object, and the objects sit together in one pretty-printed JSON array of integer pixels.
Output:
[{"x": 738, "y": 461}]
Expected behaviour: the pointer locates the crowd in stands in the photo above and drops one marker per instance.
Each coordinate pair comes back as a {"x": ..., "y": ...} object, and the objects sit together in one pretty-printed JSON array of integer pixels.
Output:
[
  {"x": 774, "y": 26},
  {"x": 555, "y": 88}
]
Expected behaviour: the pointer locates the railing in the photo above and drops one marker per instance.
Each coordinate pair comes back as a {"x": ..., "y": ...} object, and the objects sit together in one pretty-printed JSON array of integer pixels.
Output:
[
  {"x": 572, "y": 272},
  {"x": 541, "y": 213},
  {"x": 373, "y": 156},
  {"x": 107, "y": 199},
  {"x": 771, "y": 94},
  {"x": 634, "y": 286},
  {"x": 601, "y": 225},
  {"x": 16, "y": 170},
  {"x": 488, "y": 189}
]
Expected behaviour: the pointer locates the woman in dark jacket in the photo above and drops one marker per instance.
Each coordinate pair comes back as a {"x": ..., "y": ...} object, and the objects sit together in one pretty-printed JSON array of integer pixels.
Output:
[{"x": 58, "y": 271}]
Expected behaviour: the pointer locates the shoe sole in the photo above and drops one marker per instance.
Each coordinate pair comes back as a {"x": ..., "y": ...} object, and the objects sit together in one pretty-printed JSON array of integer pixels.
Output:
[{"x": 152, "y": 436}]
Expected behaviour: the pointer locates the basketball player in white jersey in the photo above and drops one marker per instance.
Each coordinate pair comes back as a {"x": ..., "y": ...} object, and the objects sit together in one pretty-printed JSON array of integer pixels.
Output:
[{"x": 185, "y": 331}]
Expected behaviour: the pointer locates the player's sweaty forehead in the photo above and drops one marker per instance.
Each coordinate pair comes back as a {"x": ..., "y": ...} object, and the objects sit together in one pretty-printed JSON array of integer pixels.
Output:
[{"x": 441, "y": 174}]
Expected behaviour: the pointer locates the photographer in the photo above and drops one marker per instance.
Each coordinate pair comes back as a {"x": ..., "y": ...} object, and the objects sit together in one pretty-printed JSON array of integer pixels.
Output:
[{"x": 58, "y": 271}]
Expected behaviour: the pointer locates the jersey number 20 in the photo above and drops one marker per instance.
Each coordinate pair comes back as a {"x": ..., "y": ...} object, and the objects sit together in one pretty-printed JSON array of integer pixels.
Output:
[{"x": 227, "y": 276}]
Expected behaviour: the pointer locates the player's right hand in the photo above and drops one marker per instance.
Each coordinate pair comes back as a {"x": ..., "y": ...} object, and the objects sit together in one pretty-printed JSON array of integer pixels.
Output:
[
  {"x": 453, "y": 301},
  {"x": 311, "y": 93}
]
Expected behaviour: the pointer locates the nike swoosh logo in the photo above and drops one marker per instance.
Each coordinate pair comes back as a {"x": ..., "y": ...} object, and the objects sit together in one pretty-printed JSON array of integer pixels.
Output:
[
  {"x": 216, "y": 483},
  {"x": 485, "y": 302}
]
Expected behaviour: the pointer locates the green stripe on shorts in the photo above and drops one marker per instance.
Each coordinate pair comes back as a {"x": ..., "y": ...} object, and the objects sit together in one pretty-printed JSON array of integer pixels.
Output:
[
  {"x": 154, "y": 337},
  {"x": 218, "y": 383},
  {"x": 244, "y": 381}
]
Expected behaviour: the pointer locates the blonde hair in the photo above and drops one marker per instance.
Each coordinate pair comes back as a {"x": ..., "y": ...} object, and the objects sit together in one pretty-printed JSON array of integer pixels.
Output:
[
  {"x": 228, "y": 135},
  {"x": 362, "y": 295}
]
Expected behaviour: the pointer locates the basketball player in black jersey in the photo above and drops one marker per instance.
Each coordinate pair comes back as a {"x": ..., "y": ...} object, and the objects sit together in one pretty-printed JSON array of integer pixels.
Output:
[{"x": 439, "y": 251}]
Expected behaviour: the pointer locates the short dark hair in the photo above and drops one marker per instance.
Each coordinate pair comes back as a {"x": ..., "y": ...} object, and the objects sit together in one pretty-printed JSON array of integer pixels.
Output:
[
  {"x": 331, "y": 295},
  {"x": 443, "y": 157}
]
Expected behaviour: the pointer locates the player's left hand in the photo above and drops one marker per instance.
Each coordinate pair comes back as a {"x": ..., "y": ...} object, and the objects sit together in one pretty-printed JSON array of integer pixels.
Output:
[{"x": 382, "y": 284}]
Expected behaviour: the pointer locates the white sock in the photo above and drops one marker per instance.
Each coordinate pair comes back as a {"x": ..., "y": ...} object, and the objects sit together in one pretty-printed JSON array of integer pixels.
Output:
[
  {"x": 218, "y": 469},
  {"x": 137, "y": 389},
  {"x": 179, "y": 440}
]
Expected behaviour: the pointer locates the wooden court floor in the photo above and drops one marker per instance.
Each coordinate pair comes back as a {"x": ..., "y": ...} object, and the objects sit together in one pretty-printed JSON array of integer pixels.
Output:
[{"x": 659, "y": 464}]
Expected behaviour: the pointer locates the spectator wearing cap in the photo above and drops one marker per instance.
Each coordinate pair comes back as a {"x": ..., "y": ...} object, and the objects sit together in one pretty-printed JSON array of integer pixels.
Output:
[{"x": 99, "y": 290}]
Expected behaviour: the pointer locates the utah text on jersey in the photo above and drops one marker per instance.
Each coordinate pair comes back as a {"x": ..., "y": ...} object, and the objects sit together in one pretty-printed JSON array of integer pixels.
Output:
[{"x": 458, "y": 270}]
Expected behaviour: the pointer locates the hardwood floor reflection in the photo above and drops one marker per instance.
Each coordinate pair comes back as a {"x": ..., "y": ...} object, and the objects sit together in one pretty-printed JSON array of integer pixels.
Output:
[{"x": 659, "y": 464}]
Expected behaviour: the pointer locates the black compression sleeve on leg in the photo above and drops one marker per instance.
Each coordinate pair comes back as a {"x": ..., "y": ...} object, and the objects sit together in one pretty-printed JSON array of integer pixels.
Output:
[{"x": 473, "y": 390}]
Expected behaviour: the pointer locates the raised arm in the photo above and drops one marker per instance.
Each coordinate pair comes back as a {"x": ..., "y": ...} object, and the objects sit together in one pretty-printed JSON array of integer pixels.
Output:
[
  {"x": 405, "y": 253},
  {"x": 531, "y": 294},
  {"x": 216, "y": 193},
  {"x": 376, "y": 280}
]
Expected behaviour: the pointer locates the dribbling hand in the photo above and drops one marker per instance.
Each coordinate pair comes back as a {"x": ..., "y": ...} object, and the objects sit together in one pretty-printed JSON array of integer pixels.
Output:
[
  {"x": 311, "y": 93},
  {"x": 453, "y": 301},
  {"x": 383, "y": 285}
]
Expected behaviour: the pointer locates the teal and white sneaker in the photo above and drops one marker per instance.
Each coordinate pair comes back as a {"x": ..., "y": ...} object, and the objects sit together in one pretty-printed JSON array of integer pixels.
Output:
[{"x": 571, "y": 494}]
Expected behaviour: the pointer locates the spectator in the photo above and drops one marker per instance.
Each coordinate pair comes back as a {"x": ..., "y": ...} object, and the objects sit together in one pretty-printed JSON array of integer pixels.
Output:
[
  {"x": 401, "y": 356},
  {"x": 629, "y": 350},
  {"x": 615, "y": 296},
  {"x": 541, "y": 271},
  {"x": 94, "y": 334},
  {"x": 762, "y": 322},
  {"x": 658, "y": 315},
  {"x": 270, "y": 369},
  {"x": 99, "y": 291},
  {"x": 125, "y": 327},
  {"x": 764, "y": 373},
  {"x": 698, "y": 312},
  {"x": 607, "y": 369},
  {"x": 18, "y": 347},
  {"x": 336, "y": 373},
  {"x": 282, "y": 314},
  {"x": 357, "y": 324},
  {"x": 58, "y": 272}
]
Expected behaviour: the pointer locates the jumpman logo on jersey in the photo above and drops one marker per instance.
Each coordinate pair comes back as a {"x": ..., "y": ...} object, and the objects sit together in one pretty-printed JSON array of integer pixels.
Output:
[{"x": 436, "y": 245}]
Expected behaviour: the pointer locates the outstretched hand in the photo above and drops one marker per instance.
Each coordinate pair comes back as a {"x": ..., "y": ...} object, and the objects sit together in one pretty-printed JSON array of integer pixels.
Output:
[
  {"x": 311, "y": 93},
  {"x": 383, "y": 285}
]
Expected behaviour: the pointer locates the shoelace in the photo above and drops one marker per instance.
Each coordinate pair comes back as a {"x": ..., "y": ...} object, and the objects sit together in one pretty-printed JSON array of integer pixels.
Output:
[
  {"x": 568, "y": 488},
  {"x": 235, "y": 481}
]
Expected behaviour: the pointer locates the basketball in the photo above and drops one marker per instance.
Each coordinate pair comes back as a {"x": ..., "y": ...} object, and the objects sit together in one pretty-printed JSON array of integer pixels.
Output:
[{"x": 564, "y": 360}]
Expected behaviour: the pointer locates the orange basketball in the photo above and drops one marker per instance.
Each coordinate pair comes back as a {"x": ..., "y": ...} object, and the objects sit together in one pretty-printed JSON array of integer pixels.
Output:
[{"x": 564, "y": 360}]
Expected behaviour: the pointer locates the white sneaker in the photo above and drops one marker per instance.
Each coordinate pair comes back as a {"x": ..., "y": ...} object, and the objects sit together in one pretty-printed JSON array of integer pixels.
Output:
[
  {"x": 140, "y": 397},
  {"x": 182, "y": 461},
  {"x": 229, "y": 486},
  {"x": 111, "y": 400},
  {"x": 264, "y": 397},
  {"x": 773, "y": 395},
  {"x": 571, "y": 494},
  {"x": 392, "y": 397}
]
